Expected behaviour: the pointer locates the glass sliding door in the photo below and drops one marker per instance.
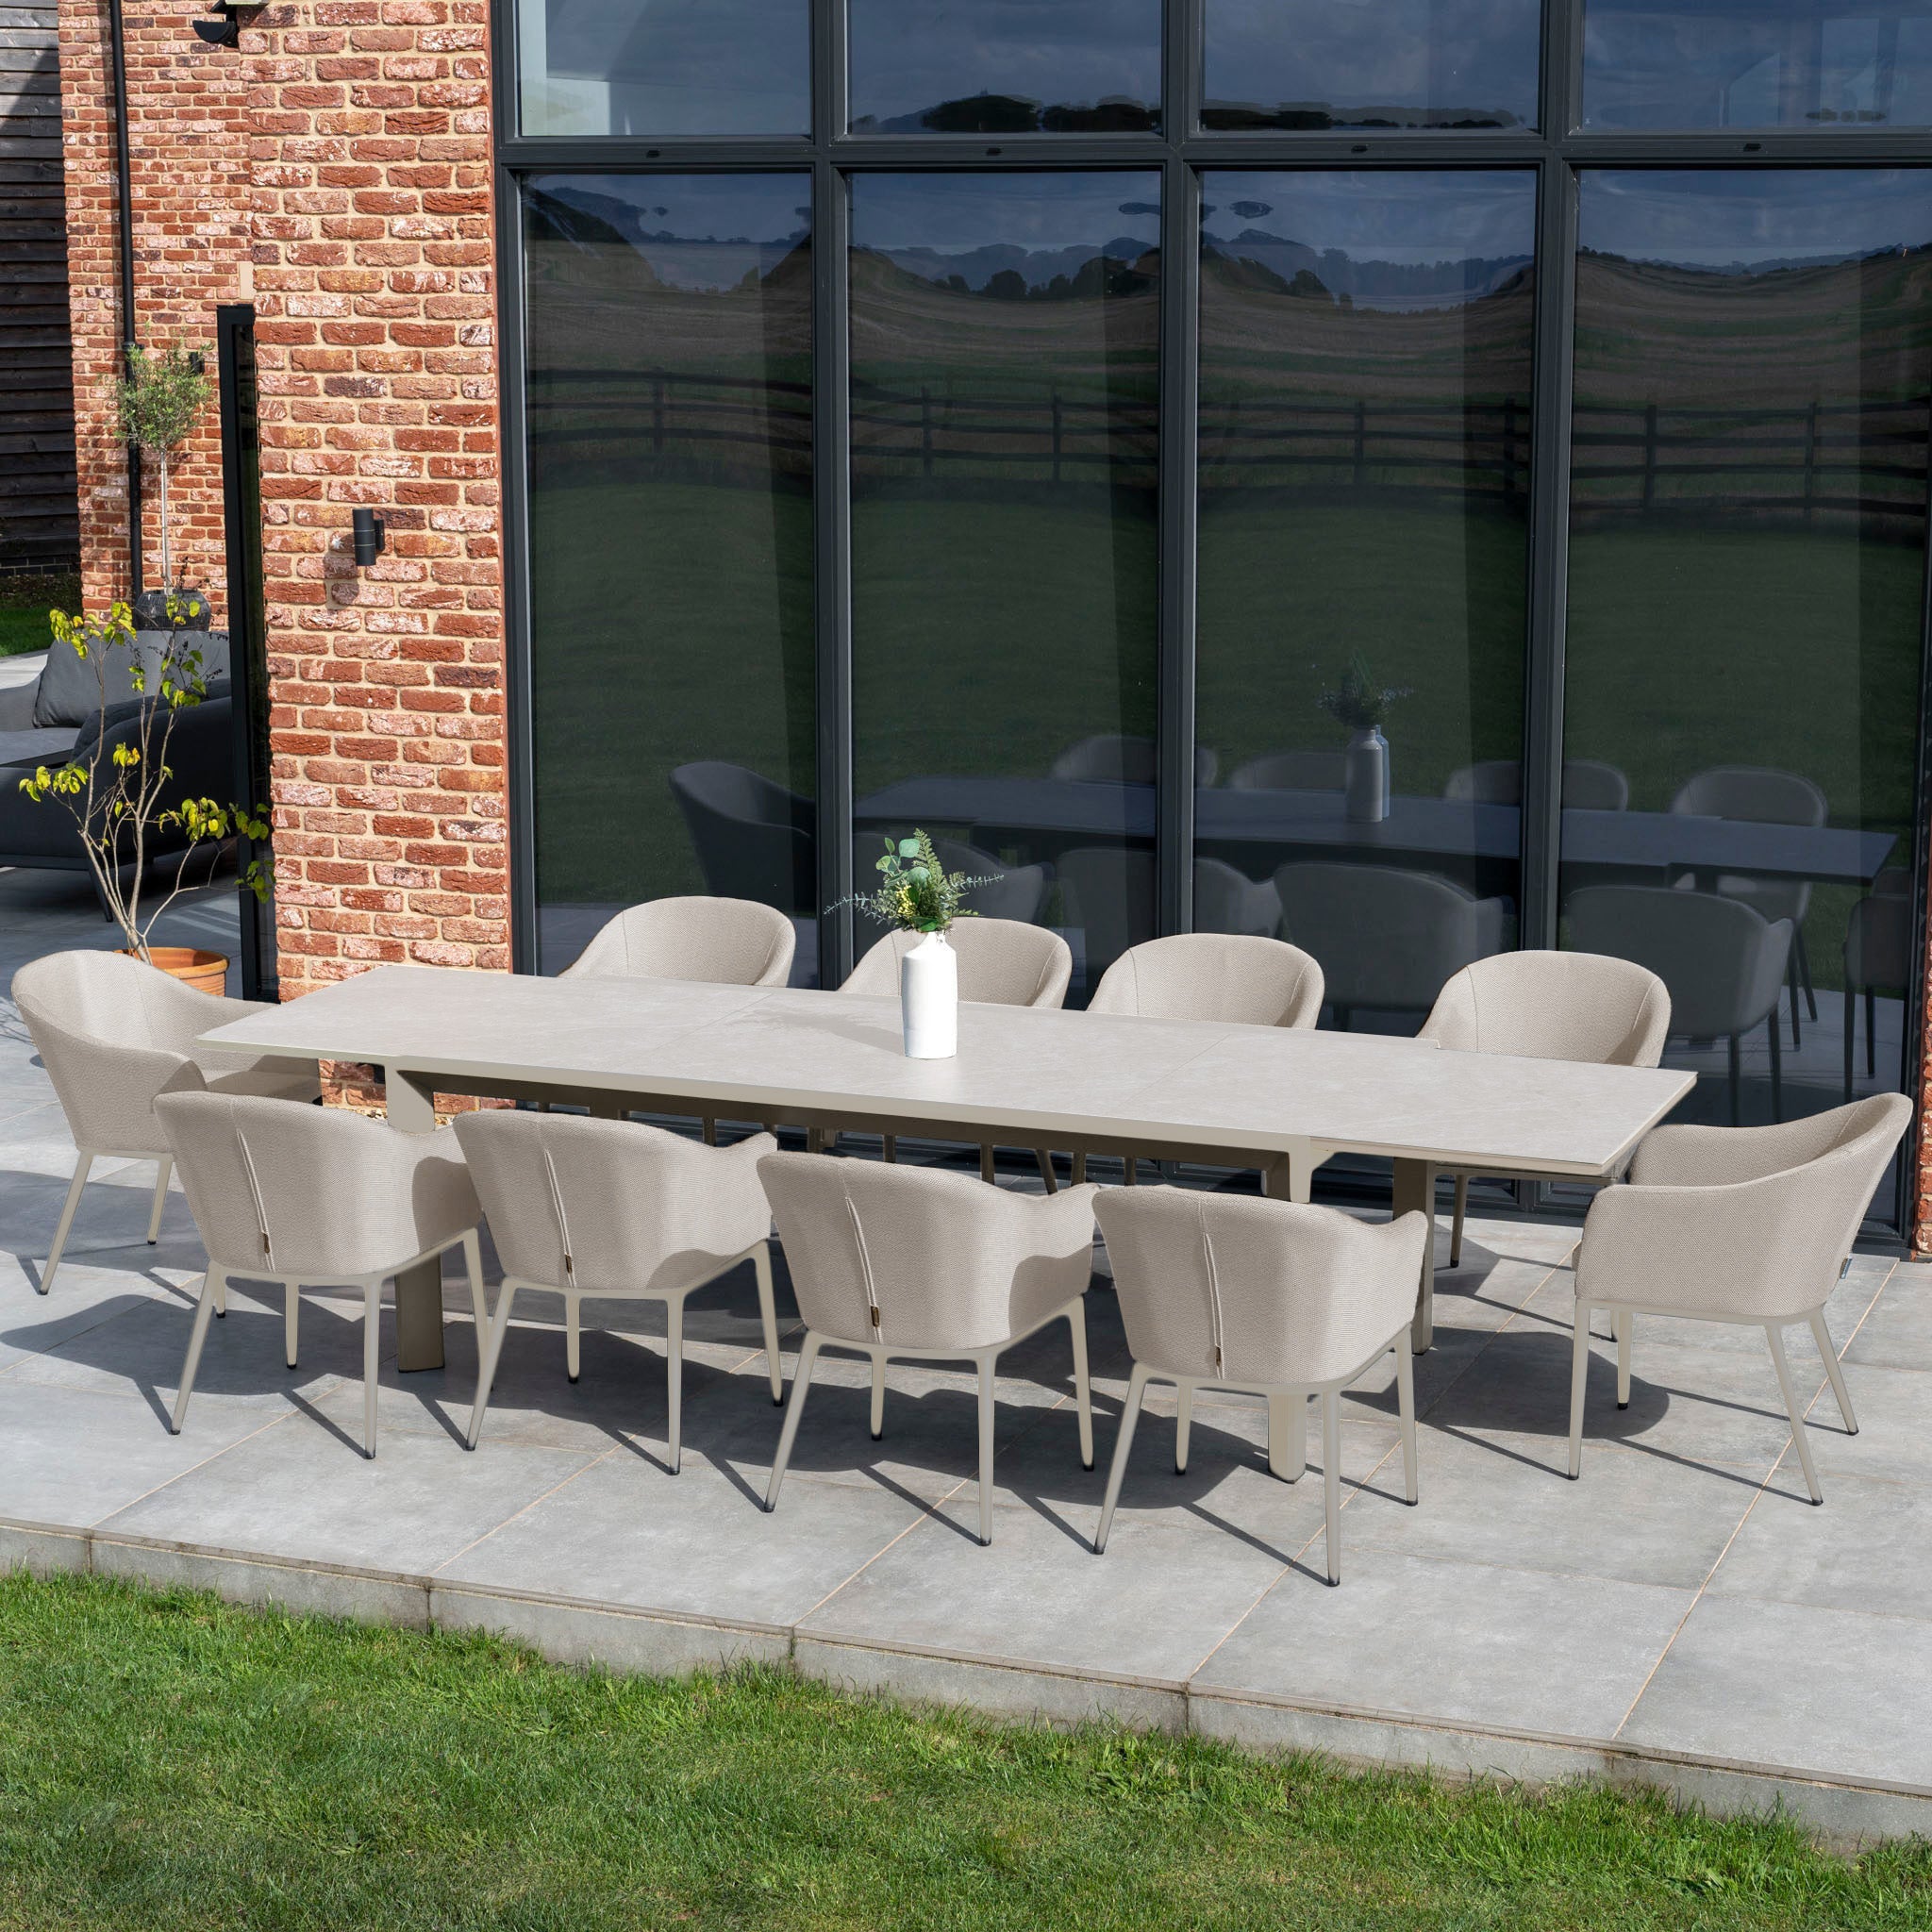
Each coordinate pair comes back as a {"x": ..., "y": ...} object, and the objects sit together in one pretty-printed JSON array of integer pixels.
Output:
[
  {"x": 1365, "y": 448},
  {"x": 668, "y": 401},
  {"x": 1005, "y": 352},
  {"x": 1747, "y": 571}
]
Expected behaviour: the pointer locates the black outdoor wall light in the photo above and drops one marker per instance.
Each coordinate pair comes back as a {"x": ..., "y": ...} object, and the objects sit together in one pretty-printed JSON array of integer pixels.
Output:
[
  {"x": 371, "y": 537},
  {"x": 224, "y": 30}
]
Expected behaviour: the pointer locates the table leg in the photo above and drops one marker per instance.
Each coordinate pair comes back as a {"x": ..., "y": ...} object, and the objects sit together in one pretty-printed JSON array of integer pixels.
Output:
[
  {"x": 409, "y": 1101},
  {"x": 1415, "y": 1189},
  {"x": 1290, "y": 1178}
]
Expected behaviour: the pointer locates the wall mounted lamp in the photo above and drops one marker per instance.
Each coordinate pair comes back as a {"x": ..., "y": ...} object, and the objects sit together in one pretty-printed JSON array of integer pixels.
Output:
[
  {"x": 371, "y": 537},
  {"x": 224, "y": 30}
]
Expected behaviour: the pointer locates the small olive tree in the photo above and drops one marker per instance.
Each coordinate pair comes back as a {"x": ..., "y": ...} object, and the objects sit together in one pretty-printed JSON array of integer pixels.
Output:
[{"x": 159, "y": 401}]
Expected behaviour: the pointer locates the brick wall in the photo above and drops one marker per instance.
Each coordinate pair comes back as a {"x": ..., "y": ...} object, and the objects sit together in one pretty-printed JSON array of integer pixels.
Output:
[{"x": 336, "y": 170}]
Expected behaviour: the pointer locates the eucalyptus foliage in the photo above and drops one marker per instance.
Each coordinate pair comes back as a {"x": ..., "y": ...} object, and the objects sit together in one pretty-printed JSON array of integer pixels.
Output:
[
  {"x": 915, "y": 892},
  {"x": 1359, "y": 703}
]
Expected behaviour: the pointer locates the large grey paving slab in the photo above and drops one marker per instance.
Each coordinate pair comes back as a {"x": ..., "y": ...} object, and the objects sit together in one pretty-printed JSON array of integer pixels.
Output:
[
  {"x": 1893, "y": 1442},
  {"x": 1477, "y": 1642},
  {"x": 1896, "y": 1332},
  {"x": 1832, "y": 1691},
  {"x": 1868, "y": 1548}
]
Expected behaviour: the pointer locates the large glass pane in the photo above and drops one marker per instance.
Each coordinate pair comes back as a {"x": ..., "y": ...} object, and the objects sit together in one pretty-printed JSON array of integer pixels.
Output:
[
  {"x": 1005, "y": 66},
  {"x": 668, "y": 319},
  {"x": 1004, "y": 348},
  {"x": 1365, "y": 385},
  {"x": 647, "y": 67},
  {"x": 1757, "y": 63},
  {"x": 1371, "y": 63},
  {"x": 1747, "y": 550}
]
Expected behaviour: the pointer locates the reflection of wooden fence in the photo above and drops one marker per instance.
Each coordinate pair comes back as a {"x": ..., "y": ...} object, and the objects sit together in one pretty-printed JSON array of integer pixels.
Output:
[{"x": 1865, "y": 459}]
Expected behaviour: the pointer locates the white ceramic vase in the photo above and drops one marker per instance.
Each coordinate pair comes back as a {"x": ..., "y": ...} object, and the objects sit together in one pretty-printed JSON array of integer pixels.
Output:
[
  {"x": 929, "y": 999},
  {"x": 1365, "y": 776}
]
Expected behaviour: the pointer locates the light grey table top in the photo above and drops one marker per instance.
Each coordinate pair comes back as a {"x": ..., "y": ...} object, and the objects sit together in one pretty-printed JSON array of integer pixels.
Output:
[{"x": 1035, "y": 1076}]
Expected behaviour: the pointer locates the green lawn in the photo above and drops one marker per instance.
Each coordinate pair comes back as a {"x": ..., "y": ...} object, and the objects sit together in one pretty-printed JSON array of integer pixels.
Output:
[
  {"x": 24, "y": 602},
  {"x": 166, "y": 1761}
]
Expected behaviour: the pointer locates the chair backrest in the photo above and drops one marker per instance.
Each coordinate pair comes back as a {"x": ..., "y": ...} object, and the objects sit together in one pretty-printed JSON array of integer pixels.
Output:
[
  {"x": 1589, "y": 784},
  {"x": 753, "y": 839},
  {"x": 1878, "y": 942},
  {"x": 731, "y": 942},
  {"x": 307, "y": 1194},
  {"x": 1554, "y": 1006},
  {"x": 110, "y": 997},
  {"x": 1214, "y": 976},
  {"x": 1227, "y": 900},
  {"x": 1722, "y": 962},
  {"x": 1237, "y": 1289},
  {"x": 1386, "y": 937},
  {"x": 1753, "y": 792},
  {"x": 913, "y": 1257},
  {"x": 1108, "y": 896},
  {"x": 1292, "y": 771},
  {"x": 611, "y": 1207},
  {"x": 1002, "y": 964},
  {"x": 1112, "y": 760}
]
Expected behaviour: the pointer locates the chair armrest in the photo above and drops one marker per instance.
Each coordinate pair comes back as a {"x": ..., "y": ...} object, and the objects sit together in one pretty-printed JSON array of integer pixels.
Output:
[{"x": 107, "y": 1092}]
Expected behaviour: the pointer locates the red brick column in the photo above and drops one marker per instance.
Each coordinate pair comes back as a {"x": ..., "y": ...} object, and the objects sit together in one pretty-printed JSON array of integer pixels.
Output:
[{"x": 375, "y": 288}]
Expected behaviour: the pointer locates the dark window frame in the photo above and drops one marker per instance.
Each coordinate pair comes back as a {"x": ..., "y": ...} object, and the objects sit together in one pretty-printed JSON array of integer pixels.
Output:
[{"x": 1556, "y": 149}]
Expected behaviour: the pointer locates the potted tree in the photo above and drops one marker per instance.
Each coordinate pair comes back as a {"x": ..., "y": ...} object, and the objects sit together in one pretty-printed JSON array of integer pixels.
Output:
[
  {"x": 158, "y": 402},
  {"x": 118, "y": 786},
  {"x": 916, "y": 893}
]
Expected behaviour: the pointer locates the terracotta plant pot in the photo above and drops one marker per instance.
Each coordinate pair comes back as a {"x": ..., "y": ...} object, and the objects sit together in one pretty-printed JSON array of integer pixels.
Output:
[{"x": 205, "y": 971}]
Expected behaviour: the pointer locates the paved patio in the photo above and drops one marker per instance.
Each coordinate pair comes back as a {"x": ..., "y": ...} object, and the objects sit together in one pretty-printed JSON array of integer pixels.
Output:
[{"x": 1682, "y": 1616}]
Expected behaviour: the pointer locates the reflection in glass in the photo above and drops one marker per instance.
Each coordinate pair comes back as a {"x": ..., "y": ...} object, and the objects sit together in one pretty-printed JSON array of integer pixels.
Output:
[
  {"x": 1005, "y": 66},
  {"x": 1365, "y": 384},
  {"x": 648, "y": 67},
  {"x": 1771, "y": 64},
  {"x": 669, "y": 405},
  {"x": 1371, "y": 63},
  {"x": 1747, "y": 548},
  {"x": 1005, "y": 351}
]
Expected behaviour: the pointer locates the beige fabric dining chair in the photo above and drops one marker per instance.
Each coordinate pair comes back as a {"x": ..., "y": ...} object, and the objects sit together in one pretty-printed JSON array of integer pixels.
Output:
[
  {"x": 730, "y": 942},
  {"x": 583, "y": 1207},
  {"x": 1740, "y": 1224},
  {"x": 1112, "y": 760},
  {"x": 1589, "y": 784},
  {"x": 1292, "y": 771},
  {"x": 1227, "y": 900},
  {"x": 1548, "y": 1006},
  {"x": 113, "y": 1033},
  {"x": 1259, "y": 1297},
  {"x": 315, "y": 1197},
  {"x": 1721, "y": 960},
  {"x": 1878, "y": 952},
  {"x": 909, "y": 1263},
  {"x": 1002, "y": 964}
]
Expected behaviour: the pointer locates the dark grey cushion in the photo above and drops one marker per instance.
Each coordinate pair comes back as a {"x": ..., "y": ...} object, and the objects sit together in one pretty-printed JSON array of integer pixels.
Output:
[
  {"x": 36, "y": 747},
  {"x": 70, "y": 686}
]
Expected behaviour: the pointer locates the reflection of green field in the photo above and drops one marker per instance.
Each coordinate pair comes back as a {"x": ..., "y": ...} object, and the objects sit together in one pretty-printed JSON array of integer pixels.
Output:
[{"x": 674, "y": 623}]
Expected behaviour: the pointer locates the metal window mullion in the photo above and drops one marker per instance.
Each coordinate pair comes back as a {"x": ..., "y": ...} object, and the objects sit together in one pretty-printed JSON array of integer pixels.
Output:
[
  {"x": 832, "y": 563},
  {"x": 1911, "y": 1152},
  {"x": 1181, "y": 332},
  {"x": 1549, "y": 553},
  {"x": 1560, "y": 106}
]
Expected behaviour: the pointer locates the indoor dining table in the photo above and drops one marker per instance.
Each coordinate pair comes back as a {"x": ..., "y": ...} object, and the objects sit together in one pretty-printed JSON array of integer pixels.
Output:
[{"x": 1276, "y": 1099}]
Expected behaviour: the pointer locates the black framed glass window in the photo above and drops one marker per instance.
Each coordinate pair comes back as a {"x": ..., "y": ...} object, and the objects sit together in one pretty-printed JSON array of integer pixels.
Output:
[
  {"x": 922, "y": 67},
  {"x": 1366, "y": 350},
  {"x": 668, "y": 403},
  {"x": 1005, "y": 381},
  {"x": 1757, "y": 63},
  {"x": 1746, "y": 607},
  {"x": 1312, "y": 65},
  {"x": 664, "y": 67}
]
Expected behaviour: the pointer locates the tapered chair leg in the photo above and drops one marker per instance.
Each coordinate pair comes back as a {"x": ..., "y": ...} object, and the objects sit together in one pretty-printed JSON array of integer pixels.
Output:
[
  {"x": 1331, "y": 1479},
  {"x": 1777, "y": 1070},
  {"x": 1456, "y": 1226},
  {"x": 768, "y": 1318},
  {"x": 1083, "y": 1390},
  {"x": 1851, "y": 1005},
  {"x": 878, "y": 1398},
  {"x": 1791, "y": 1395},
  {"x": 1123, "y": 1442},
  {"x": 1405, "y": 1410},
  {"x": 221, "y": 1297},
  {"x": 986, "y": 1170},
  {"x": 372, "y": 1357},
  {"x": 472, "y": 1268},
  {"x": 1805, "y": 972},
  {"x": 1624, "y": 1321},
  {"x": 801, "y": 1382},
  {"x": 492, "y": 1349},
  {"x": 197, "y": 1336},
  {"x": 988, "y": 1370},
  {"x": 1870, "y": 1033},
  {"x": 1182, "y": 1427},
  {"x": 292, "y": 1320},
  {"x": 673, "y": 1370},
  {"x": 1288, "y": 1435},
  {"x": 163, "y": 1168},
  {"x": 1579, "y": 1374},
  {"x": 67, "y": 1207},
  {"x": 572, "y": 1340},
  {"x": 1046, "y": 1172},
  {"x": 1791, "y": 985},
  {"x": 1821, "y": 1335}
]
